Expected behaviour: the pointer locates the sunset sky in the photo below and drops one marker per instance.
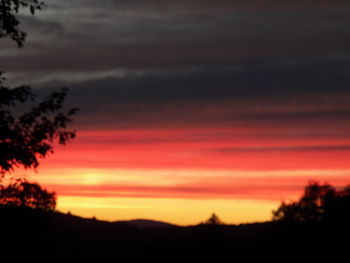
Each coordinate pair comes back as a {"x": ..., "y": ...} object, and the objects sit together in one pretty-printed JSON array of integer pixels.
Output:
[{"x": 190, "y": 107}]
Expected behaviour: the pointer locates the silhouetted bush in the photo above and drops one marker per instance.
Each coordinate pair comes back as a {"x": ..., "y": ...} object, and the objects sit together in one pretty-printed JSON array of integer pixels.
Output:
[
  {"x": 26, "y": 194},
  {"x": 318, "y": 202}
]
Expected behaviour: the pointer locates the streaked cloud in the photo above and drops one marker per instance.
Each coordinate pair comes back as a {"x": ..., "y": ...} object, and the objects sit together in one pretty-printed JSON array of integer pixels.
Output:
[{"x": 285, "y": 149}]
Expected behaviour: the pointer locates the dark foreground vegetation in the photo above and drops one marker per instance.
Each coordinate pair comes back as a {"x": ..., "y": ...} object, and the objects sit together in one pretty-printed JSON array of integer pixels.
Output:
[{"x": 47, "y": 236}]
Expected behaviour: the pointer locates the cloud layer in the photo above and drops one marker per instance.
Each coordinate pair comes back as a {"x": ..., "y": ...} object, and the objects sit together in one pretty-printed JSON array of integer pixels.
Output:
[{"x": 149, "y": 61}]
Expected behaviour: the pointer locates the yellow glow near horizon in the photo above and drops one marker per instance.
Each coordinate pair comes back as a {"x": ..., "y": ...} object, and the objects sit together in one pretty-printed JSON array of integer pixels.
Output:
[
  {"x": 176, "y": 211},
  {"x": 91, "y": 179},
  {"x": 79, "y": 175},
  {"x": 181, "y": 196}
]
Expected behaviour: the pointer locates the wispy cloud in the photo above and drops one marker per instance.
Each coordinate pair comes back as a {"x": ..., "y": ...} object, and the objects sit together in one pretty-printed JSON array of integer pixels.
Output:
[
  {"x": 311, "y": 148},
  {"x": 244, "y": 186}
]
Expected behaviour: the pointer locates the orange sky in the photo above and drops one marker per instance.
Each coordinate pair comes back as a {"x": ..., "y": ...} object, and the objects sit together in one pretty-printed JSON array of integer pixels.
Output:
[{"x": 184, "y": 175}]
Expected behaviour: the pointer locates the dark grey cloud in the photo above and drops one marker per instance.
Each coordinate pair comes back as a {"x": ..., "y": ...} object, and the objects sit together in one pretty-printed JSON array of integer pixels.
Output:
[
  {"x": 313, "y": 91},
  {"x": 146, "y": 61},
  {"x": 95, "y": 38},
  {"x": 43, "y": 27},
  {"x": 257, "y": 79},
  {"x": 192, "y": 6}
]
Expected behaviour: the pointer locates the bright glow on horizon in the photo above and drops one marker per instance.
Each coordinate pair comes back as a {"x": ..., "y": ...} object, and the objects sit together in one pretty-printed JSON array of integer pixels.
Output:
[{"x": 175, "y": 211}]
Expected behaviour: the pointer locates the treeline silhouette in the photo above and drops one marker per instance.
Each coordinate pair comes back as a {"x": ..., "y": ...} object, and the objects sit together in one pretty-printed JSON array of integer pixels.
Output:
[
  {"x": 319, "y": 202},
  {"x": 56, "y": 237},
  {"x": 21, "y": 192}
]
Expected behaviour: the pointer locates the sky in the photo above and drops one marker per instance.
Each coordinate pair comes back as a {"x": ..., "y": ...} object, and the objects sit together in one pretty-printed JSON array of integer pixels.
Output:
[{"x": 191, "y": 107}]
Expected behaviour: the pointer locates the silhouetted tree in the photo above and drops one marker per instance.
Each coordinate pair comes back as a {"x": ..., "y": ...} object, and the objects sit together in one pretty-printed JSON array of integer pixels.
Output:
[
  {"x": 317, "y": 203},
  {"x": 27, "y": 136},
  {"x": 213, "y": 220},
  {"x": 9, "y": 24},
  {"x": 26, "y": 194}
]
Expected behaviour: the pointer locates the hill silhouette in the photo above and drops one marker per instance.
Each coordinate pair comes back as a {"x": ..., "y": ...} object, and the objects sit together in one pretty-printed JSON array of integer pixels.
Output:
[
  {"x": 56, "y": 237},
  {"x": 145, "y": 223}
]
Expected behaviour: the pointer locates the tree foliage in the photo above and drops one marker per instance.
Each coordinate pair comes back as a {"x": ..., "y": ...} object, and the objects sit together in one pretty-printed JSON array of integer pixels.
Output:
[
  {"x": 319, "y": 202},
  {"x": 9, "y": 24},
  {"x": 26, "y": 137},
  {"x": 23, "y": 193}
]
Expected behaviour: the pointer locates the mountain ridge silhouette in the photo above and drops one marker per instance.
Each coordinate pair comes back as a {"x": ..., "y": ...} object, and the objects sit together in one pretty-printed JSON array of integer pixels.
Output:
[
  {"x": 145, "y": 223},
  {"x": 57, "y": 237}
]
